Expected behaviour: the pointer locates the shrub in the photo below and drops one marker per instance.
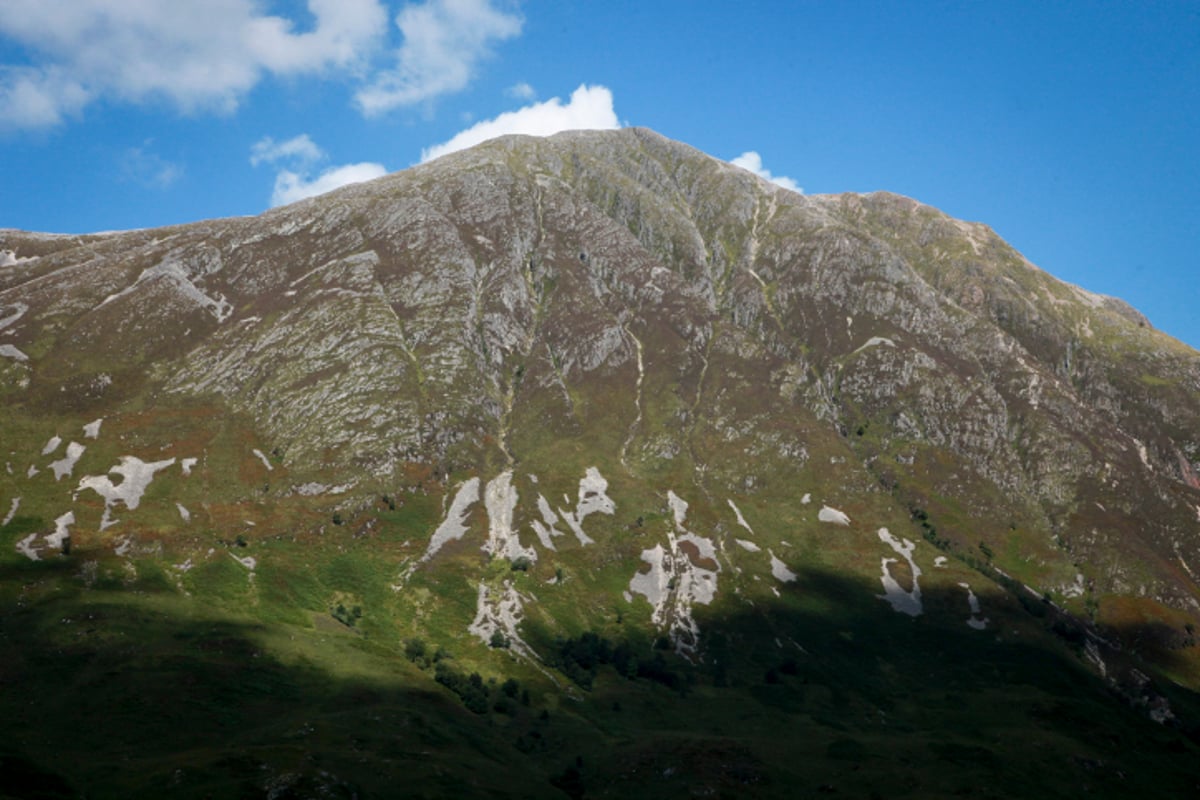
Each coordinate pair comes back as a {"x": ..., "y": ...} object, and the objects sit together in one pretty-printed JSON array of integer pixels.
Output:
[
  {"x": 570, "y": 782},
  {"x": 346, "y": 617},
  {"x": 416, "y": 652}
]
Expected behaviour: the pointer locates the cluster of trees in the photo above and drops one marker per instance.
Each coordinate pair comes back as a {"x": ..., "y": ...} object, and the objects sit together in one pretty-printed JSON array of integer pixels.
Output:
[
  {"x": 475, "y": 693},
  {"x": 930, "y": 532},
  {"x": 470, "y": 689},
  {"x": 416, "y": 651},
  {"x": 580, "y": 658},
  {"x": 787, "y": 667}
]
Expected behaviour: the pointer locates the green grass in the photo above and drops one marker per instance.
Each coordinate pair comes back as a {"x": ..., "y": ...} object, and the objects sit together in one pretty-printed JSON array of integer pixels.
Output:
[{"x": 246, "y": 681}]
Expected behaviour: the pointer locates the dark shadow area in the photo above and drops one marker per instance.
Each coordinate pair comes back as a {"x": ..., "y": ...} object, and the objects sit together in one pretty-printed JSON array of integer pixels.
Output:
[
  {"x": 105, "y": 695},
  {"x": 112, "y": 694}
]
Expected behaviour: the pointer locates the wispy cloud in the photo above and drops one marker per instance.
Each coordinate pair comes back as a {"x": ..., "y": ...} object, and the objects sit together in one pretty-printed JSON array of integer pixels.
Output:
[
  {"x": 752, "y": 162},
  {"x": 521, "y": 91},
  {"x": 143, "y": 166},
  {"x": 444, "y": 41},
  {"x": 590, "y": 107},
  {"x": 298, "y": 176},
  {"x": 206, "y": 55}
]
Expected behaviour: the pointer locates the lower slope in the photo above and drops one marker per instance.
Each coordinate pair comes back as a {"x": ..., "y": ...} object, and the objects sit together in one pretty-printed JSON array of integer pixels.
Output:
[{"x": 287, "y": 640}]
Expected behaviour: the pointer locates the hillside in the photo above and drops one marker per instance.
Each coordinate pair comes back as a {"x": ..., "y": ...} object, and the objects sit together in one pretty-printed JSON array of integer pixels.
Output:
[{"x": 589, "y": 465}]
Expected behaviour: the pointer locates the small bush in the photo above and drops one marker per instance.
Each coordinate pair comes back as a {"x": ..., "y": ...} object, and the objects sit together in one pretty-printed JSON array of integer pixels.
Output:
[
  {"x": 347, "y": 617},
  {"x": 416, "y": 652}
]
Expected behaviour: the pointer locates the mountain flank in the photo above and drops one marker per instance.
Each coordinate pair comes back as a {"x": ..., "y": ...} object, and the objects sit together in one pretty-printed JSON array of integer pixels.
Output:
[{"x": 590, "y": 466}]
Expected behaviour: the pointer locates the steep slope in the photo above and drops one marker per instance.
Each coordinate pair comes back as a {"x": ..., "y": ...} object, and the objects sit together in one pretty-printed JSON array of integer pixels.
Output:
[{"x": 610, "y": 417}]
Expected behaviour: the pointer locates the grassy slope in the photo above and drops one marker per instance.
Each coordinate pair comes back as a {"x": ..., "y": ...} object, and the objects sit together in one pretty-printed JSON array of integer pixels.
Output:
[
  {"x": 140, "y": 689},
  {"x": 134, "y": 676}
]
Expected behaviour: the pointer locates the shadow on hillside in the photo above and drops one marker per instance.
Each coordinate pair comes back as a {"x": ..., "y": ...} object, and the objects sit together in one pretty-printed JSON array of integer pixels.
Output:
[
  {"x": 118, "y": 694},
  {"x": 108, "y": 695}
]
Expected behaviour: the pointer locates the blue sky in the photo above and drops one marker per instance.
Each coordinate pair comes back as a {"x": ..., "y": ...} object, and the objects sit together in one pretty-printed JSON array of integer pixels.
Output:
[{"x": 1071, "y": 128}]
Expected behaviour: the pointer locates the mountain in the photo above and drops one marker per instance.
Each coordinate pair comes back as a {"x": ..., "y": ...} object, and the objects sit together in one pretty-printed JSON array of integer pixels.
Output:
[{"x": 589, "y": 466}]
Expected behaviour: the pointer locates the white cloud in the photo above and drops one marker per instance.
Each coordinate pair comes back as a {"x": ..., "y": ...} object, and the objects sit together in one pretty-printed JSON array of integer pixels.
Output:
[
  {"x": 345, "y": 30},
  {"x": 290, "y": 186},
  {"x": 193, "y": 54},
  {"x": 300, "y": 148},
  {"x": 590, "y": 107},
  {"x": 752, "y": 162},
  {"x": 301, "y": 155},
  {"x": 521, "y": 91},
  {"x": 39, "y": 98},
  {"x": 206, "y": 55},
  {"x": 444, "y": 40}
]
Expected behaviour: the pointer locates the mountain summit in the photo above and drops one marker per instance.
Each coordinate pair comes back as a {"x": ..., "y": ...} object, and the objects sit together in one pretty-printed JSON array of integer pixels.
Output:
[{"x": 590, "y": 465}]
